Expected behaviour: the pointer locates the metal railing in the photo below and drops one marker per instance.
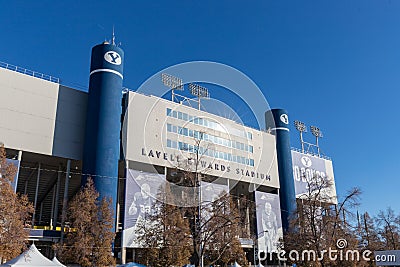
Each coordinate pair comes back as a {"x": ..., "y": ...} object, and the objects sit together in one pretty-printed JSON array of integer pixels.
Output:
[
  {"x": 29, "y": 72},
  {"x": 312, "y": 153}
]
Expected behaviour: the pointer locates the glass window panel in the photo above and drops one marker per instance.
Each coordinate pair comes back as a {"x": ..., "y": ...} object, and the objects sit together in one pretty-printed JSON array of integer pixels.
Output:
[
  {"x": 174, "y": 114},
  {"x": 169, "y": 111}
]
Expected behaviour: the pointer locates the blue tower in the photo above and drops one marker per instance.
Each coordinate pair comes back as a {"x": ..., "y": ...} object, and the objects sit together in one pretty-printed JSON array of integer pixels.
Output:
[
  {"x": 277, "y": 121},
  {"x": 103, "y": 122}
]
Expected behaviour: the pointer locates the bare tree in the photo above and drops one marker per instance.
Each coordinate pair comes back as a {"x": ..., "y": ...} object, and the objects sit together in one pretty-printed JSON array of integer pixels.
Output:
[
  {"x": 165, "y": 233},
  {"x": 215, "y": 225},
  {"x": 15, "y": 212},
  {"x": 90, "y": 241},
  {"x": 389, "y": 230},
  {"x": 319, "y": 223},
  {"x": 220, "y": 231}
]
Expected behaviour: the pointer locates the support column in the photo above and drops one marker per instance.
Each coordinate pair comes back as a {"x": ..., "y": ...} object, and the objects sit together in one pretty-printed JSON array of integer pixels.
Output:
[
  {"x": 65, "y": 200},
  {"x": 123, "y": 255},
  {"x": 41, "y": 212},
  {"x": 55, "y": 215},
  {"x": 36, "y": 194},
  {"x": 53, "y": 199}
]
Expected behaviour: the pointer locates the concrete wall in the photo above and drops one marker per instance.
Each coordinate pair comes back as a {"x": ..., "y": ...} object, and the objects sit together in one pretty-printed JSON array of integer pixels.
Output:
[
  {"x": 41, "y": 116},
  {"x": 70, "y": 124}
]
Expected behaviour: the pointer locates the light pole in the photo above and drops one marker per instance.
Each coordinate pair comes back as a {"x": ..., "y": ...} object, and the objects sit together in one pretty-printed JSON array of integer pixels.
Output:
[
  {"x": 318, "y": 134},
  {"x": 302, "y": 128}
]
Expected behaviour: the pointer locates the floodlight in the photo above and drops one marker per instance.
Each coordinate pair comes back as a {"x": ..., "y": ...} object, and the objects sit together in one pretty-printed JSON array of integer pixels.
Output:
[
  {"x": 300, "y": 126},
  {"x": 198, "y": 90},
  {"x": 172, "y": 82},
  {"x": 316, "y": 131}
]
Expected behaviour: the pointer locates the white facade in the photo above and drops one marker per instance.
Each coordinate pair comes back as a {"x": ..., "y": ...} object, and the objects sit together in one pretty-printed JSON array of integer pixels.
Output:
[{"x": 164, "y": 133}]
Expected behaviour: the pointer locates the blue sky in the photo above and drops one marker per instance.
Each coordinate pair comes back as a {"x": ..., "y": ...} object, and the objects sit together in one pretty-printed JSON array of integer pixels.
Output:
[{"x": 334, "y": 64}]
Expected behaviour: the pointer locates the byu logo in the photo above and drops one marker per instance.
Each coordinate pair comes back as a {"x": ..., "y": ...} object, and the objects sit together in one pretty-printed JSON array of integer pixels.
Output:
[
  {"x": 306, "y": 162},
  {"x": 284, "y": 118},
  {"x": 112, "y": 57}
]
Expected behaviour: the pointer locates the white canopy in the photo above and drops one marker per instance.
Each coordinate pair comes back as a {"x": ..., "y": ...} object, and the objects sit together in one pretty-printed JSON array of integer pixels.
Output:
[
  {"x": 56, "y": 261},
  {"x": 30, "y": 258}
]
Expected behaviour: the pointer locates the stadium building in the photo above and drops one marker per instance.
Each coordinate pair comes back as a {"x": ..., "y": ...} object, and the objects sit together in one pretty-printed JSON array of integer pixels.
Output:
[{"x": 130, "y": 142}]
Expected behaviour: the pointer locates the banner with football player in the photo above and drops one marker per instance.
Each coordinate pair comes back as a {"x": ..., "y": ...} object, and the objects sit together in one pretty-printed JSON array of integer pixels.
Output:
[
  {"x": 269, "y": 224},
  {"x": 140, "y": 196}
]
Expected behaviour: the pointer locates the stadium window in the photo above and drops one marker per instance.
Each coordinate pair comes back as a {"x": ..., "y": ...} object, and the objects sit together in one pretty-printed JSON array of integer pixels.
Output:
[
  {"x": 179, "y": 115},
  {"x": 190, "y": 118},
  {"x": 169, "y": 112},
  {"x": 174, "y": 129},
  {"x": 191, "y": 133},
  {"x": 185, "y": 131},
  {"x": 251, "y": 149},
  {"x": 249, "y": 135},
  {"x": 174, "y": 114},
  {"x": 252, "y": 162},
  {"x": 173, "y": 144},
  {"x": 168, "y": 143},
  {"x": 169, "y": 127},
  {"x": 185, "y": 116}
]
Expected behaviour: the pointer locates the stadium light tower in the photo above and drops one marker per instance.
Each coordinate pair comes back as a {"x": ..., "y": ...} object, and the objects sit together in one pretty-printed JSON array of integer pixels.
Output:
[
  {"x": 302, "y": 128},
  {"x": 174, "y": 83},
  {"x": 199, "y": 91},
  {"x": 318, "y": 134}
]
